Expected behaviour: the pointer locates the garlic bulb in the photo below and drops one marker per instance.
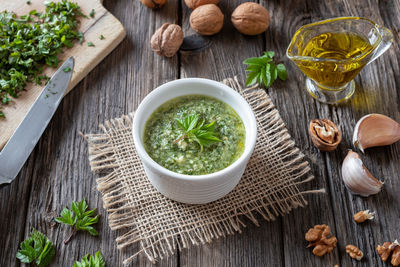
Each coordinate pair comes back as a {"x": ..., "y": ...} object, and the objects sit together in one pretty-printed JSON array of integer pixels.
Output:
[
  {"x": 357, "y": 178},
  {"x": 375, "y": 130}
]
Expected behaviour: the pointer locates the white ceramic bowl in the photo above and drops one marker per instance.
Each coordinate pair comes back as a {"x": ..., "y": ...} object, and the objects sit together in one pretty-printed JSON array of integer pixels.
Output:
[{"x": 194, "y": 189}]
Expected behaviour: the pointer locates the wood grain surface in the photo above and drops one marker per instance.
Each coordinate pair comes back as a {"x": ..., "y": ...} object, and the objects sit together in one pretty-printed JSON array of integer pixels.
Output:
[
  {"x": 58, "y": 172},
  {"x": 86, "y": 58}
]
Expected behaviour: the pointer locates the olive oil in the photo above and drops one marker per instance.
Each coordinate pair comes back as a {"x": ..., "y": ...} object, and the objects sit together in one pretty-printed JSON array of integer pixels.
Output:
[{"x": 342, "y": 54}]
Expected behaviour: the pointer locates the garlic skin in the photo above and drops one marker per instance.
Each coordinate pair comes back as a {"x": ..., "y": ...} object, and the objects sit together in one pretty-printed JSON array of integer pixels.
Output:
[
  {"x": 375, "y": 130},
  {"x": 357, "y": 178}
]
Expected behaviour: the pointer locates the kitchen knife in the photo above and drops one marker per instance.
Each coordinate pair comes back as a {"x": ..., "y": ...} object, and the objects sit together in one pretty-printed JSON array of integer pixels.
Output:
[{"x": 27, "y": 134}]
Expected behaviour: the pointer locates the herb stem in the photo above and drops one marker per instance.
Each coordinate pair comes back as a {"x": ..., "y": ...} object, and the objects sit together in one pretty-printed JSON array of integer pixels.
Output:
[
  {"x": 179, "y": 139},
  {"x": 70, "y": 236}
]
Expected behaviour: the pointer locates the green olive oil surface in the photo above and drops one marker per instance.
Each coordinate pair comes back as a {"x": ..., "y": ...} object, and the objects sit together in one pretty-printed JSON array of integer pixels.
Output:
[
  {"x": 161, "y": 132},
  {"x": 338, "y": 46}
]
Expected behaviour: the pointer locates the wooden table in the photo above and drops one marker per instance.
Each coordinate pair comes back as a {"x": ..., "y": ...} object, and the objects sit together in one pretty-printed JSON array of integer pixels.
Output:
[{"x": 58, "y": 171}]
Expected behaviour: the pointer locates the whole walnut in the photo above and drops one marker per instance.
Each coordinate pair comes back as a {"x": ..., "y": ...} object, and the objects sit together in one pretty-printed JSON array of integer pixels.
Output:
[
  {"x": 193, "y": 4},
  {"x": 250, "y": 18},
  {"x": 207, "y": 19},
  {"x": 167, "y": 40},
  {"x": 153, "y": 3}
]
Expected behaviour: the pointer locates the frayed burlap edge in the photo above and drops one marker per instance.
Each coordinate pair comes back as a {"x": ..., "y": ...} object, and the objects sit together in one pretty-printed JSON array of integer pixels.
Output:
[{"x": 121, "y": 212}]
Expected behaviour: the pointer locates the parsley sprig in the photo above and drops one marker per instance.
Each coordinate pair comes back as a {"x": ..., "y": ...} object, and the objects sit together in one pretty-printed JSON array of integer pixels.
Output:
[
  {"x": 195, "y": 130},
  {"x": 90, "y": 261},
  {"x": 79, "y": 218},
  {"x": 264, "y": 70},
  {"x": 37, "y": 248}
]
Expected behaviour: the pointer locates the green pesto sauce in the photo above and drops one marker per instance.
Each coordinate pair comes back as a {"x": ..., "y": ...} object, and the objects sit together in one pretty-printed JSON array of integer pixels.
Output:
[{"x": 161, "y": 130}]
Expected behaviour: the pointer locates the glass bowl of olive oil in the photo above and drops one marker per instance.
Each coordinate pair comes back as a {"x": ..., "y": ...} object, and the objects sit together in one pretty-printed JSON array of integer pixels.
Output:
[{"x": 332, "y": 52}]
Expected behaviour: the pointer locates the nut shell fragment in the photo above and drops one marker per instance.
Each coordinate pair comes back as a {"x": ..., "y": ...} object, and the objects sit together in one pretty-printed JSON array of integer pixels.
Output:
[
  {"x": 250, "y": 18},
  {"x": 324, "y": 134},
  {"x": 193, "y": 4},
  {"x": 207, "y": 19},
  {"x": 167, "y": 40},
  {"x": 357, "y": 177},
  {"x": 354, "y": 252},
  {"x": 375, "y": 130}
]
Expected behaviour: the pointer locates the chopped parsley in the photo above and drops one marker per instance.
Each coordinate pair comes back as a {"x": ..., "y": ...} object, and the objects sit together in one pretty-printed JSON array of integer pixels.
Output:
[
  {"x": 91, "y": 14},
  {"x": 90, "y": 44},
  {"x": 32, "y": 41},
  {"x": 101, "y": 37},
  {"x": 67, "y": 69}
]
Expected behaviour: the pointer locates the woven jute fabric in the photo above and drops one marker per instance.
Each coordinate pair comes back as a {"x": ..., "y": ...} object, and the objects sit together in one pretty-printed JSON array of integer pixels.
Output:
[{"x": 269, "y": 186}]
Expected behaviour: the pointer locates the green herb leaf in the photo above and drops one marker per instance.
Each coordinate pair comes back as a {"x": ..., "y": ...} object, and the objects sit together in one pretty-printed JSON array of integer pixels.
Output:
[
  {"x": 264, "y": 70},
  {"x": 79, "y": 218},
  {"x": 195, "y": 130},
  {"x": 91, "y": 14},
  {"x": 28, "y": 2},
  {"x": 90, "y": 44},
  {"x": 101, "y": 37},
  {"x": 67, "y": 69},
  {"x": 281, "y": 70},
  {"x": 90, "y": 261},
  {"x": 36, "y": 248},
  {"x": 31, "y": 41}
]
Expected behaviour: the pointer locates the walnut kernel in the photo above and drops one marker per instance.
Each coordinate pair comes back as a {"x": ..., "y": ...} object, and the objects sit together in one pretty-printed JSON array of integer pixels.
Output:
[
  {"x": 363, "y": 215},
  {"x": 207, "y": 19},
  {"x": 354, "y": 252},
  {"x": 318, "y": 238},
  {"x": 153, "y": 3},
  {"x": 396, "y": 256},
  {"x": 250, "y": 18},
  {"x": 384, "y": 250},
  {"x": 167, "y": 40},
  {"x": 193, "y": 4},
  {"x": 324, "y": 134}
]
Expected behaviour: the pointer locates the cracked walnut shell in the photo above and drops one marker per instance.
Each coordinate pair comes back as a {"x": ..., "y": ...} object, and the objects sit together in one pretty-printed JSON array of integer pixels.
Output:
[
  {"x": 354, "y": 252},
  {"x": 153, "y": 3},
  {"x": 167, "y": 40},
  {"x": 318, "y": 238},
  {"x": 207, "y": 19},
  {"x": 324, "y": 134},
  {"x": 193, "y": 4},
  {"x": 250, "y": 18}
]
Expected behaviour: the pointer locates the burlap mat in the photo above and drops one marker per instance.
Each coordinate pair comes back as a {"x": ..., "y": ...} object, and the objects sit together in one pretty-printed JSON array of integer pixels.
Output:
[{"x": 268, "y": 187}]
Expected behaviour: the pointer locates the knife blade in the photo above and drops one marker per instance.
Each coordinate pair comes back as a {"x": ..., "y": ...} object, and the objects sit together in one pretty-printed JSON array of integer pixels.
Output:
[{"x": 28, "y": 132}]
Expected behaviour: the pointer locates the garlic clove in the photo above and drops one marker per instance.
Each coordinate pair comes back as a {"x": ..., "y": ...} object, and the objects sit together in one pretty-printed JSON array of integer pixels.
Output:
[
  {"x": 375, "y": 130},
  {"x": 357, "y": 178}
]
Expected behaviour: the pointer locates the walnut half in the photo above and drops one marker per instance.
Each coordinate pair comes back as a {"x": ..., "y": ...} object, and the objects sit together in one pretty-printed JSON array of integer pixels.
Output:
[
  {"x": 325, "y": 135},
  {"x": 354, "y": 252},
  {"x": 318, "y": 238}
]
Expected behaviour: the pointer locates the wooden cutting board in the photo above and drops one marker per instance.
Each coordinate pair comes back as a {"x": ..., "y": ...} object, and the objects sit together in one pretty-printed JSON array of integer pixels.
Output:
[{"x": 86, "y": 58}]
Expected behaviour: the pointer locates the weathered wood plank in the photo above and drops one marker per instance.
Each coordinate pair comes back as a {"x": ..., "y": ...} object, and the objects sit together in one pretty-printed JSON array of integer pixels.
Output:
[
  {"x": 58, "y": 169},
  {"x": 256, "y": 246},
  {"x": 369, "y": 98}
]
